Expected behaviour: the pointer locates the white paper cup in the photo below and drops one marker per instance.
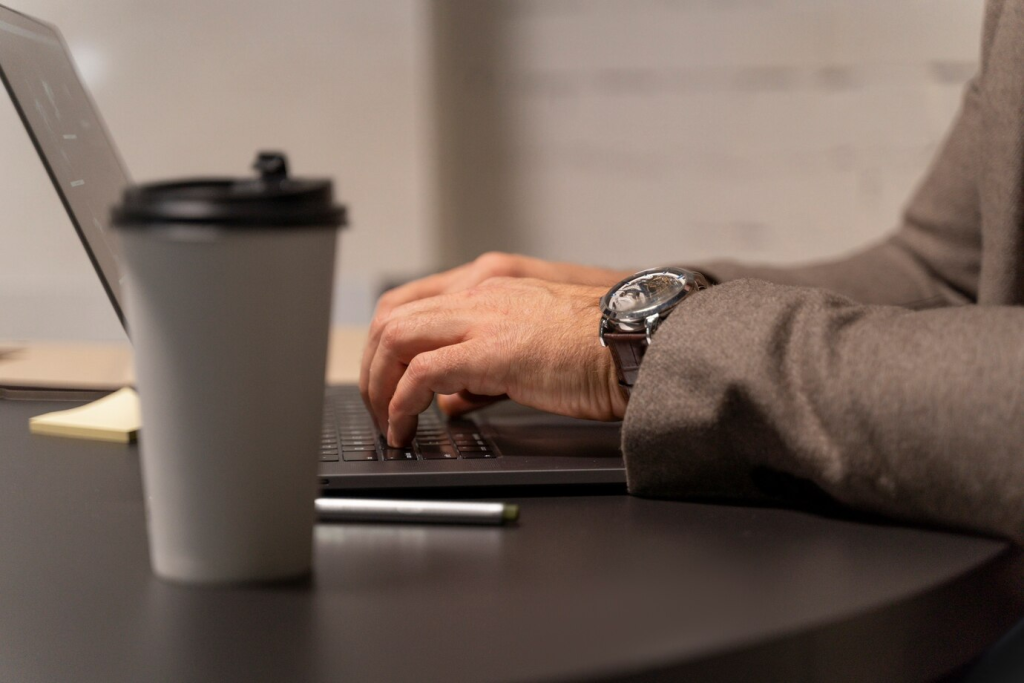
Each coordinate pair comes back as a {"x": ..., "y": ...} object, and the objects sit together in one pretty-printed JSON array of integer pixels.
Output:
[{"x": 230, "y": 329}]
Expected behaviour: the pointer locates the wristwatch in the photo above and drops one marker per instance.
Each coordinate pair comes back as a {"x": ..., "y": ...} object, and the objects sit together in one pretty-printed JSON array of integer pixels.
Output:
[{"x": 633, "y": 309}]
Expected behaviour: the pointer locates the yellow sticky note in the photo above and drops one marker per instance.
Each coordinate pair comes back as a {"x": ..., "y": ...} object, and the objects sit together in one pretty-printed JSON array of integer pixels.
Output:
[{"x": 112, "y": 418}]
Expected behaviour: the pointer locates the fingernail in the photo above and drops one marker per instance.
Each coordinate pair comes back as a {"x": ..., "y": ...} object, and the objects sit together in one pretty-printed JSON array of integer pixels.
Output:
[{"x": 391, "y": 437}]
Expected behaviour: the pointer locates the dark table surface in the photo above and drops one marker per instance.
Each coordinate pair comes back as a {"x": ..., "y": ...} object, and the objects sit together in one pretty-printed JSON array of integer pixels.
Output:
[{"x": 585, "y": 587}]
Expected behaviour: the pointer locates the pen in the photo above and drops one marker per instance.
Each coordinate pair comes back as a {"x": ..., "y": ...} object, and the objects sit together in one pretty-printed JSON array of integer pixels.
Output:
[{"x": 428, "y": 511}]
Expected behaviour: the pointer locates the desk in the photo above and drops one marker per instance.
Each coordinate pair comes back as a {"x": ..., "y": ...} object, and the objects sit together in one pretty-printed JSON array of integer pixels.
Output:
[
  {"x": 585, "y": 587},
  {"x": 108, "y": 366}
]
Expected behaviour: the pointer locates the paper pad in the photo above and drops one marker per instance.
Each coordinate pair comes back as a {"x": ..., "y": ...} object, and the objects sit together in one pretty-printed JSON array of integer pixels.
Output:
[{"x": 112, "y": 418}]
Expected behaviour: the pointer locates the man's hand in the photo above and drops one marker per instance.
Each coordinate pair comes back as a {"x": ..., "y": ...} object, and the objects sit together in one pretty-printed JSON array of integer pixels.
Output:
[
  {"x": 485, "y": 267},
  {"x": 532, "y": 340},
  {"x": 496, "y": 264}
]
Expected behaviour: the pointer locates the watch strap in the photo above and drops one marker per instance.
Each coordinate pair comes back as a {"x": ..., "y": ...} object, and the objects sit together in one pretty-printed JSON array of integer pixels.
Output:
[{"x": 627, "y": 352}]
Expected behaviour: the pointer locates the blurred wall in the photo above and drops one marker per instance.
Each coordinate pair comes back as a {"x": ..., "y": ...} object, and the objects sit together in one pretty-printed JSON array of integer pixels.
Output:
[
  {"x": 193, "y": 86},
  {"x": 635, "y": 132},
  {"x": 623, "y": 132}
]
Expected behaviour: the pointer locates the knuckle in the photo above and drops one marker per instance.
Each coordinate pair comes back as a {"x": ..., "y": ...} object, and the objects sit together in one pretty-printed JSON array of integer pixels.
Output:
[
  {"x": 387, "y": 300},
  {"x": 392, "y": 334},
  {"x": 379, "y": 322},
  {"x": 496, "y": 263},
  {"x": 490, "y": 259},
  {"x": 447, "y": 362},
  {"x": 420, "y": 369}
]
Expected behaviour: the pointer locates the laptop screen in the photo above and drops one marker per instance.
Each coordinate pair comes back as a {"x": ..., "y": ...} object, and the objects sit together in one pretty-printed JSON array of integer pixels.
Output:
[{"x": 65, "y": 127}]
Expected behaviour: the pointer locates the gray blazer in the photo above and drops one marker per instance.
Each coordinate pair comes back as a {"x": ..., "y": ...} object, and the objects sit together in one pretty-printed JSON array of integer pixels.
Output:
[{"x": 891, "y": 381}]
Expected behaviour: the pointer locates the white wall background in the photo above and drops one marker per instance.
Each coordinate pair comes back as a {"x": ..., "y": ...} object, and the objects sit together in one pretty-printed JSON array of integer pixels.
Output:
[
  {"x": 635, "y": 132},
  {"x": 624, "y": 132},
  {"x": 196, "y": 87}
]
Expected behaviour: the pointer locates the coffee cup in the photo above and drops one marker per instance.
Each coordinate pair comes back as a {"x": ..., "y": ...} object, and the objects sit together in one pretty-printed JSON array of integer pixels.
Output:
[{"x": 228, "y": 297}]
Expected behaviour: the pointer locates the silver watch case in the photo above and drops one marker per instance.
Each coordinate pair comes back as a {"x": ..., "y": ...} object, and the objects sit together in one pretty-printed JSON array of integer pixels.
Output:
[{"x": 648, "y": 317}]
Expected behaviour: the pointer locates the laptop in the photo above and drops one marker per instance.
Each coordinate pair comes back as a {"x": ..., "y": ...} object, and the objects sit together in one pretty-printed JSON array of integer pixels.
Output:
[{"x": 501, "y": 446}]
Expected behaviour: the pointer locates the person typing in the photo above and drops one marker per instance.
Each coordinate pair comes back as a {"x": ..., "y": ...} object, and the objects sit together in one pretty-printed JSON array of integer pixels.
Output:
[{"x": 889, "y": 380}]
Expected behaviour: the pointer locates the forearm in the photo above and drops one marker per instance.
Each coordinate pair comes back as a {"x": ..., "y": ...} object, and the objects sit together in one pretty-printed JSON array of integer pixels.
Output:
[{"x": 916, "y": 415}]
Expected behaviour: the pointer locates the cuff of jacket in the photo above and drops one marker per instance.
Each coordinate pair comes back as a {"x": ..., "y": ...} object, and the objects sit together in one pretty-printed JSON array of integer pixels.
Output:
[
  {"x": 669, "y": 422},
  {"x": 707, "y": 418},
  {"x": 766, "y": 393}
]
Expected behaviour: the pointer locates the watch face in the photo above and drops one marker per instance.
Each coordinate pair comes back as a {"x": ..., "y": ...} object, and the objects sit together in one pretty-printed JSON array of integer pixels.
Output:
[
  {"x": 648, "y": 293},
  {"x": 645, "y": 292}
]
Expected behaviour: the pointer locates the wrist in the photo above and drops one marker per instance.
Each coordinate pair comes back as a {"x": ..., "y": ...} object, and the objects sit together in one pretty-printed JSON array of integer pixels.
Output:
[
  {"x": 618, "y": 396},
  {"x": 632, "y": 310},
  {"x": 615, "y": 396},
  {"x": 606, "y": 397}
]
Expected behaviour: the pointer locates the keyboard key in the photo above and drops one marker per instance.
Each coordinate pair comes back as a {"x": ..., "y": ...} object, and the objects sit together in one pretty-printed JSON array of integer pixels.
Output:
[
  {"x": 399, "y": 454},
  {"x": 438, "y": 453},
  {"x": 467, "y": 438},
  {"x": 328, "y": 456},
  {"x": 474, "y": 449},
  {"x": 357, "y": 456},
  {"x": 475, "y": 455},
  {"x": 428, "y": 446}
]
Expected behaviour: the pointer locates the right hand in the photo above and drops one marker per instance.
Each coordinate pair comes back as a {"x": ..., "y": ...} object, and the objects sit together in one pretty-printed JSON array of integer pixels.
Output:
[{"x": 467, "y": 276}]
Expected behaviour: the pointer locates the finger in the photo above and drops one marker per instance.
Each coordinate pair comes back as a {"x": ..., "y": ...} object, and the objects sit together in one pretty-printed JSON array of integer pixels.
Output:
[
  {"x": 454, "y": 405},
  {"x": 417, "y": 290},
  {"x": 406, "y": 335},
  {"x": 447, "y": 370},
  {"x": 385, "y": 308},
  {"x": 369, "y": 348},
  {"x": 422, "y": 288}
]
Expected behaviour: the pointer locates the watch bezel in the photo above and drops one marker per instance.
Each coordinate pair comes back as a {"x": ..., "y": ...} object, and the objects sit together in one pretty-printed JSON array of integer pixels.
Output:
[{"x": 638, "y": 318}]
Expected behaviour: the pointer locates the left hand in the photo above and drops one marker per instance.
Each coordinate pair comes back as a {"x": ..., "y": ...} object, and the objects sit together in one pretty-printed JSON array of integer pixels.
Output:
[{"x": 533, "y": 340}]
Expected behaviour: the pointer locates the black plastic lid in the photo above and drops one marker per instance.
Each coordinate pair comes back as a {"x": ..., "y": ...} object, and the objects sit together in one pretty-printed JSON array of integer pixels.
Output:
[{"x": 271, "y": 200}]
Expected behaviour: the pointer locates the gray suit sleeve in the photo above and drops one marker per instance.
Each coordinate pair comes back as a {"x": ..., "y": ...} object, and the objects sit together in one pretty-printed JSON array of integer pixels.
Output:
[
  {"x": 759, "y": 391},
  {"x": 861, "y": 381}
]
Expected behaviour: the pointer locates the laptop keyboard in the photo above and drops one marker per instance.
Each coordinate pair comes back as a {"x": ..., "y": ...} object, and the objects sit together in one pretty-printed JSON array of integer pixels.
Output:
[{"x": 349, "y": 434}]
